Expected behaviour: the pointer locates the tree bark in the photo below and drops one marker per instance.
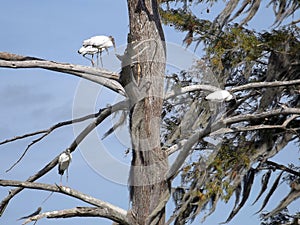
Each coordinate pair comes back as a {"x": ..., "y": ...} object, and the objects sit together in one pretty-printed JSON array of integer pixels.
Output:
[{"x": 142, "y": 76}]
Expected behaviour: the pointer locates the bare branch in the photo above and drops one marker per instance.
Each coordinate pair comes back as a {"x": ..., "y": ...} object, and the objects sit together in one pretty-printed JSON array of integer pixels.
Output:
[
  {"x": 291, "y": 196},
  {"x": 49, "y": 130},
  {"x": 249, "y": 128},
  {"x": 265, "y": 85},
  {"x": 183, "y": 154},
  {"x": 258, "y": 127},
  {"x": 201, "y": 87},
  {"x": 22, "y": 136},
  {"x": 46, "y": 132},
  {"x": 103, "y": 114},
  {"x": 295, "y": 22},
  {"x": 116, "y": 125},
  {"x": 97, "y": 75},
  {"x": 249, "y": 117},
  {"x": 82, "y": 212},
  {"x": 191, "y": 88},
  {"x": 282, "y": 167},
  {"x": 67, "y": 191}
]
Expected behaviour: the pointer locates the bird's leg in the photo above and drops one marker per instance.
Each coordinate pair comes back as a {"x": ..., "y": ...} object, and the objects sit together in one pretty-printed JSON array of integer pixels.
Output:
[
  {"x": 60, "y": 183},
  {"x": 67, "y": 175},
  {"x": 101, "y": 59},
  {"x": 97, "y": 59},
  {"x": 90, "y": 59},
  {"x": 107, "y": 51},
  {"x": 93, "y": 63}
]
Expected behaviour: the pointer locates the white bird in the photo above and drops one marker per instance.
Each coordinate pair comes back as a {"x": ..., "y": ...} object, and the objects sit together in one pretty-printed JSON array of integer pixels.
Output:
[
  {"x": 88, "y": 50},
  {"x": 64, "y": 160},
  {"x": 101, "y": 43},
  {"x": 219, "y": 96}
]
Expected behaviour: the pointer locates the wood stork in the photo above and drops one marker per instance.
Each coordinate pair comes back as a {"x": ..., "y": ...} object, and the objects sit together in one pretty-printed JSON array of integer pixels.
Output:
[
  {"x": 32, "y": 214},
  {"x": 64, "y": 160},
  {"x": 88, "y": 50},
  {"x": 101, "y": 43},
  {"x": 219, "y": 96}
]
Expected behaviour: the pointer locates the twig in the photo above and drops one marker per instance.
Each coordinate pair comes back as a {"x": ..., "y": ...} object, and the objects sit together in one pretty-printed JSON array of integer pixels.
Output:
[
  {"x": 265, "y": 85},
  {"x": 49, "y": 130},
  {"x": 282, "y": 167},
  {"x": 46, "y": 199},
  {"x": 255, "y": 116},
  {"x": 258, "y": 127},
  {"x": 45, "y": 132},
  {"x": 295, "y": 22},
  {"x": 22, "y": 136}
]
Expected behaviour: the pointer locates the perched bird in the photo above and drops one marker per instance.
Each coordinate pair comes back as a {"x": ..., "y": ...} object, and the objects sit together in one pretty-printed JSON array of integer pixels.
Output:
[
  {"x": 63, "y": 163},
  {"x": 33, "y": 214},
  {"x": 88, "y": 50},
  {"x": 101, "y": 43},
  {"x": 219, "y": 96},
  {"x": 178, "y": 196}
]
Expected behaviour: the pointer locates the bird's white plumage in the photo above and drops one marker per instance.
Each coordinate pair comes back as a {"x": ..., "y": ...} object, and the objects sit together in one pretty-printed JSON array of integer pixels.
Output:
[
  {"x": 219, "y": 96},
  {"x": 64, "y": 161},
  {"x": 90, "y": 50},
  {"x": 100, "y": 42},
  {"x": 96, "y": 45}
]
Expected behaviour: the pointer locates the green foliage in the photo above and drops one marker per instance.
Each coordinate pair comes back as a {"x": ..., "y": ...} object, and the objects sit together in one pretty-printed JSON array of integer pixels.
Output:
[
  {"x": 230, "y": 156},
  {"x": 236, "y": 55},
  {"x": 234, "y": 42},
  {"x": 235, "y": 45},
  {"x": 275, "y": 40},
  {"x": 183, "y": 21}
]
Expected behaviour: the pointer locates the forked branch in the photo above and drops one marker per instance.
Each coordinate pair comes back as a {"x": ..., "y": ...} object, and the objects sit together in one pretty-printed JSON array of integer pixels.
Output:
[
  {"x": 282, "y": 167},
  {"x": 60, "y": 189},
  {"x": 45, "y": 133},
  {"x": 82, "y": 212},
  {"x": 100, "y": 76},
  {"x": 103, "y": 114}
]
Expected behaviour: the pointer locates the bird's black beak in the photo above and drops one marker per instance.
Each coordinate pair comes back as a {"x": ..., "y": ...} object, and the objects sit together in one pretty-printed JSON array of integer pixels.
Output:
[{"x": 114, "y": 44}]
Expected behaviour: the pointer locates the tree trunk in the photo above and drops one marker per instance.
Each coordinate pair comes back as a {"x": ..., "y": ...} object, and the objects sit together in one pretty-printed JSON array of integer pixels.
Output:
[{"x": 142, "y": 76}]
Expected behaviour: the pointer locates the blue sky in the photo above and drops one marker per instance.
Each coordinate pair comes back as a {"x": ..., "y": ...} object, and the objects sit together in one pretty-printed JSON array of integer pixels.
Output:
[{"x": 35, "y": 99}]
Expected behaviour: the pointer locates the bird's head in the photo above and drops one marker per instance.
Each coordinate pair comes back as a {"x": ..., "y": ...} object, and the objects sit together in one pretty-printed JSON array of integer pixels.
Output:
[
  {"x": 113, "y": 41},
  {"x": 228, "y": 98},
  {"x": 81, "y": 50}
]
